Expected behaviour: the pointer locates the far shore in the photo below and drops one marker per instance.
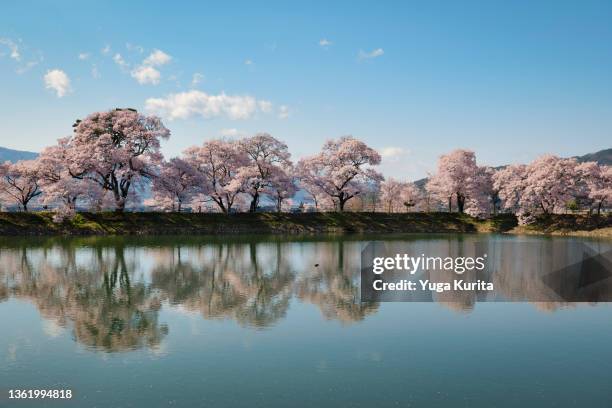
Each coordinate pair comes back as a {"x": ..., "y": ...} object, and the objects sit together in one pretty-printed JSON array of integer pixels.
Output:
[{"x": 108, "y": 223}]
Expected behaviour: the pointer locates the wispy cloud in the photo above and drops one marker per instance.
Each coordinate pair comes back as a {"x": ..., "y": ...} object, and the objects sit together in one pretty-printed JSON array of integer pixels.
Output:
[
  {"x": 58, "y": 81},
  {"x": 120, "y": 61},
  {"x": 28, "y": 66},
  {"x": 106, "y": 50},
  {"x": 231, "y": 132},
  {"x": 12, "y": 47},
  {"x": 248, "y": 62},
  {"x": 197, "y": 78},
  {"x": 184, "y": 105},
  {"x": 393, "y": 152},
  {"x": 84, "y": 56},
  {"x": 134, "y": 48},
  {"x": 24, "y": 58},
  {"x": 372, "y": 54},
  {"x": 325, "y": 43},
  {"x": 283, "y": 112}
]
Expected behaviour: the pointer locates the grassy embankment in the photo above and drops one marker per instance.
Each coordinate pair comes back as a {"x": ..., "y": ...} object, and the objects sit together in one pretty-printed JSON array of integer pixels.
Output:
[{"x": 272, "y": 223}]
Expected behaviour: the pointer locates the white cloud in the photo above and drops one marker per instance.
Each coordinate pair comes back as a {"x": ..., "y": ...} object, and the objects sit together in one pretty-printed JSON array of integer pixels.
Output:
[
  {"x": 196, "y": 78},
  {"x": 157, "y": 58},
  {"x": 197, "y": 103},
  {"x": 372, "y": 54},
  {"x": 83, "y": 56},
  {"x": 13, "y": 48},
  {"x": 265, "y": 106},
  {"x": 325, "y": 43},
  {"x": 27, "y": 66},
  {"x": 146, "y": 75},
  {"x": 231, "y": 132},
  {"x": 248, "y": 62},
  {"x": 134, "y": 47},
  {"x": 393, "y": 152},
  {"x": 106, "y": 50},
  {"x": 94, "y": 71},
  {"x": 283, "y": 112},
  {"x": 57, "y": 80},
  {"x": 118, "y": 59}
]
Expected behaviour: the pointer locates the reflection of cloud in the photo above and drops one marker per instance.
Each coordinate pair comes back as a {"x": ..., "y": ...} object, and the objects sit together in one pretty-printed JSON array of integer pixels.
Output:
[{"x": 51, "y": 328}]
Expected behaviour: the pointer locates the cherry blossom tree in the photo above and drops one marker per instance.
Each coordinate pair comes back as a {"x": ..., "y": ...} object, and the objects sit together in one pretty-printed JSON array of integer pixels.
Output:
[
  {"x": 551, "y": 182},
  {"x": 55, "y": 179},
  {"x": 19, "y": 182},
  {"x": 282, "y": 187},
  {"x": 390, "y": 195},
  {"x": 457, "y": 178},
  {"x": 509, "y": 183},
  {"x": 597, "y": 182},
  {"x": 118, "y": 150},
  {"x": 411, "y": 197},
  {"x": 341, "y": 170},
  {"x": 398, "y": 196},
  {"x": 219, "y": 162},
  {"x": 175, "y": 184},
  {"x": 268, "y": 157},
  {"x": 544, "y": 186}
]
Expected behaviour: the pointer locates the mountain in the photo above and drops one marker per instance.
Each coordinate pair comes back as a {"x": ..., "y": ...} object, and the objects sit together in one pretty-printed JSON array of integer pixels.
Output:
[
  {"x": 601, "y": 157},
  {"x": 15, "y": 155}
]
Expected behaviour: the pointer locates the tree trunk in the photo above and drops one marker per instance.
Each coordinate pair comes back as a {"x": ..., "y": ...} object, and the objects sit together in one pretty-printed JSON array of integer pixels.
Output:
[
  {"x": 254, "y": 203},
  {"x": 450, "y": 204},
  {"x": 120, "y": 205},
  {"x": 460, "y": 202}
]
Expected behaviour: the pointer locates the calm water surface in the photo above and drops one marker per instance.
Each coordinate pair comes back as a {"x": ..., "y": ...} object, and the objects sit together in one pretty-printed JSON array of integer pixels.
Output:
[{"x": 248, "y": 322}]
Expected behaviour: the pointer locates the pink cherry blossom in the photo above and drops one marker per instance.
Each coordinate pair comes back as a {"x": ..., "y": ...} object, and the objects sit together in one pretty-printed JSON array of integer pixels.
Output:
[
  {"x": 341, "y": 170},
  {"x": 19, "y": 182},
  {"x": 118, "y": 150}
]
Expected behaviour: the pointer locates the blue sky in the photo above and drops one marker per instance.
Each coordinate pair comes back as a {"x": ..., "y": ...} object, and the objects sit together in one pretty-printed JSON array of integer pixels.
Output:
[{"x": 509, "y": 80}]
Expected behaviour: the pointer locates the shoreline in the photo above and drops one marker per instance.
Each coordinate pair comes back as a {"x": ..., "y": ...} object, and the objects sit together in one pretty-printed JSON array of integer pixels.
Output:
[{"x": 84, "y": 224}]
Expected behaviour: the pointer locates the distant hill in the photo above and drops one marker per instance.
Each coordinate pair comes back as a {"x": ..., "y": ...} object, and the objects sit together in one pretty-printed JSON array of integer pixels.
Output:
[
  {"x": 601, "y": 157},
  {"x": 15, "y": 155}
]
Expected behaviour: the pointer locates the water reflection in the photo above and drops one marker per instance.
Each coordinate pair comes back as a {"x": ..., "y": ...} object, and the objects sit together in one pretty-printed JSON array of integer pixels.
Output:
[{"x": 109, "y": 291}]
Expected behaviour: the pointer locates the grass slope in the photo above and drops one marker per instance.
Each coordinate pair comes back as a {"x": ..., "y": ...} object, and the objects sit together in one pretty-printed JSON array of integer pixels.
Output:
[
  {"x": 41, "y": 223},
  {"x": 260, "y": 223}
]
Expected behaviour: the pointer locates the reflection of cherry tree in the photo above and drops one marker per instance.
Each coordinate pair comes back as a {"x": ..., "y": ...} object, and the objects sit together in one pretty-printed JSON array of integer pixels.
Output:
[
  {"x": 106, "y": 311},
  {"x": 229, "y": 281},
  {"x": 334, "y": 285}
]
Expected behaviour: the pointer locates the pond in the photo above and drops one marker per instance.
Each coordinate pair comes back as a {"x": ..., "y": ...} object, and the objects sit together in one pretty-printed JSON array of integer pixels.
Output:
[{"x": 277, "y": 322}]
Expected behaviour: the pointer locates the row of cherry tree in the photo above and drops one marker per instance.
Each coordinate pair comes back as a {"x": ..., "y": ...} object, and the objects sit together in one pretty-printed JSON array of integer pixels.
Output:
[{"x": 114, "y": 157}]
